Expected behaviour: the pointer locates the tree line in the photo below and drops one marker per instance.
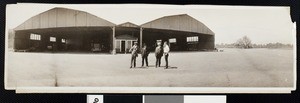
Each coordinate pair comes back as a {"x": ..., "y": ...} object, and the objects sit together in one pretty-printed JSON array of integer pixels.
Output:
[{"x": 245, "y": 43}]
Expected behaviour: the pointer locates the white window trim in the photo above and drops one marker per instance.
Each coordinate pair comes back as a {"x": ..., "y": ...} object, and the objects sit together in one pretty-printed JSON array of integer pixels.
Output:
[
  {"x": 193, "y": 39},
  {"x": 53, "y": 39},
  {"x": 35, "y": 36}
]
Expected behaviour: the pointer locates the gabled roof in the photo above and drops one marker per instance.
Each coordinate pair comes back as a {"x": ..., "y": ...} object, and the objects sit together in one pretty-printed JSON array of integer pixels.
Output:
[
  {"x": 63, "y": 17},
  {"x": 128, "y": 24},
  {"x": 182, "y": 22}
]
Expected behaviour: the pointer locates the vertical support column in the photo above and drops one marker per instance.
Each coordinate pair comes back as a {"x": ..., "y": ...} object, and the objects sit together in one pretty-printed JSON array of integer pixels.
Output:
[
  {"x": 11, "y": 40},
  {"x": 113, "y": 40},
  {"x": 141, "y": 37}
]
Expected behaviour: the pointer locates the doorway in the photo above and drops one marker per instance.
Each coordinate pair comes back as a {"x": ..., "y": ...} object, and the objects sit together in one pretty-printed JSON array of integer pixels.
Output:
[{"x": 122, "y": 46}]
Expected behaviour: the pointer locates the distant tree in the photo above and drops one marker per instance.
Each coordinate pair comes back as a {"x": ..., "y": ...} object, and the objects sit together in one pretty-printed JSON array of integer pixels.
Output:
[{"x": 244, "y": 42}]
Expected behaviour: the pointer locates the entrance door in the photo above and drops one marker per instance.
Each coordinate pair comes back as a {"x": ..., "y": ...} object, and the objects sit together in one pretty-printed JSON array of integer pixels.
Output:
[{"x": 122, "y": 46}]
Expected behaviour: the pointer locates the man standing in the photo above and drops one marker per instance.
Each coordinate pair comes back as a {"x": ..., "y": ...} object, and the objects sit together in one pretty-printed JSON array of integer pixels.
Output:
[
  {"x": 144, "y": 53},
  {"x": 134, "y": 54},
  {"x": 158, "y": 54},
  {"x": 166, "y": 53}
]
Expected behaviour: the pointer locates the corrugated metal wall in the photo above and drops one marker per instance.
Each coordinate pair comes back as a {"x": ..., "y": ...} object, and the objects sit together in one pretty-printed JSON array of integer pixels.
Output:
[
  {"x": 179, "y": 22},
  {"x": 61, "y": 17}
]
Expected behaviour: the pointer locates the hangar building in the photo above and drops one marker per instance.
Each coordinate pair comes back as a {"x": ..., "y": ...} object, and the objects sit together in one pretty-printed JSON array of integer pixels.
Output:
[{"x": 68, "y": 30}]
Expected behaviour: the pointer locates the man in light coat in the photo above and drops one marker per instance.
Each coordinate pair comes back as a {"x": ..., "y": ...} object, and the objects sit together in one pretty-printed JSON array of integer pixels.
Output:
[
  {"x": 166, "y": 53},
  {"x": 134, "y": 54}
]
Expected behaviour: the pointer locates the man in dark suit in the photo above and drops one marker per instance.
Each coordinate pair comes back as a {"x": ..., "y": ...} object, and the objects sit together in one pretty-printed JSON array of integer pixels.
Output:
[
  {"x": 158, "y": 54},
  {"x": 144, "y": 54}
]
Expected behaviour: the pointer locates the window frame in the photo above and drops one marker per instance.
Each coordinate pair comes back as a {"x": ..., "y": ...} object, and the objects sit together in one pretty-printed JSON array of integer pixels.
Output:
[
  {"x": 52, "y": 40},
  {"x": 35, "y": 37},
  {"x": 172, "y": 40},
  {"x": 192, "y": 39}
]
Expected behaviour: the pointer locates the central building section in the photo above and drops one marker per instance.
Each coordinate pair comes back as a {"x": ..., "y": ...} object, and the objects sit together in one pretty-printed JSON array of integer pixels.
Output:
[{"x": 127, "y": 33}]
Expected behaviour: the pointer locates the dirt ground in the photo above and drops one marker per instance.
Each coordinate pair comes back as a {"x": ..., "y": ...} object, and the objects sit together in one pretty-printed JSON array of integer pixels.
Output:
[{"x": 231, "y": 68}]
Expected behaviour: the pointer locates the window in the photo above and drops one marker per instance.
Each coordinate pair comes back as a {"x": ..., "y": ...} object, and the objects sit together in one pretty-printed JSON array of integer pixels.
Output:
[
  {"x": 129, "y": 44},
  {"x": 63, "y": 40},
  {"x": 132, "y": 43},
  {"x": 52, "y": 39},
  {"x": 35, "y": 37},
  {"x": 192, "y": 39},
  {"x": 118, "y": 44},
  {"x": 172, "y": 40}
]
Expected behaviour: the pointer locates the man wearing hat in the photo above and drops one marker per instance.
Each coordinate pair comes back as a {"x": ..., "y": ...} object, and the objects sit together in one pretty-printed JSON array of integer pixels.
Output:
[
  {"x": 158, "y": 54},
  {"x": 144, "y": 54},
  {"x": 134, "y": 54}
]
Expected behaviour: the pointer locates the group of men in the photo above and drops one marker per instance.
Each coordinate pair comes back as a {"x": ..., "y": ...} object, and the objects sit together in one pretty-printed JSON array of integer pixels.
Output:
[{"x": 159, "y": 52}]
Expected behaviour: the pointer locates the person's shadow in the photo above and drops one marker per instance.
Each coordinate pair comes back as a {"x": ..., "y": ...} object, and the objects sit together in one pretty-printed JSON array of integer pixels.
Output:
[
  {"x": 153, "y": 67},
  {"x": 170, "y": 67}
]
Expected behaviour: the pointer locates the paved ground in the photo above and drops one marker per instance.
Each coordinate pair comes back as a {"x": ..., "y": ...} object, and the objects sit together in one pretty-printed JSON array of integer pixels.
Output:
[{"x": 231, "y": 68}]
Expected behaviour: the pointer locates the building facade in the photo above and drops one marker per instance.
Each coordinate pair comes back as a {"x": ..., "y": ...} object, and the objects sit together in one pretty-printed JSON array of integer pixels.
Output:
[{"x": 68, "y": 30}]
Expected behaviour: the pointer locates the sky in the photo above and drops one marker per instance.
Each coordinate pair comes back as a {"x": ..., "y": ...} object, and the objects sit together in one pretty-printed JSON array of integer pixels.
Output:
[{"x": 229, "y": 23}]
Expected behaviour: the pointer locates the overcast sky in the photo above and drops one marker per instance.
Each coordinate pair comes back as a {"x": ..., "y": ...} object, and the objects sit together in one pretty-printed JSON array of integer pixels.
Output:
[{"x": 229, "y": 23}]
